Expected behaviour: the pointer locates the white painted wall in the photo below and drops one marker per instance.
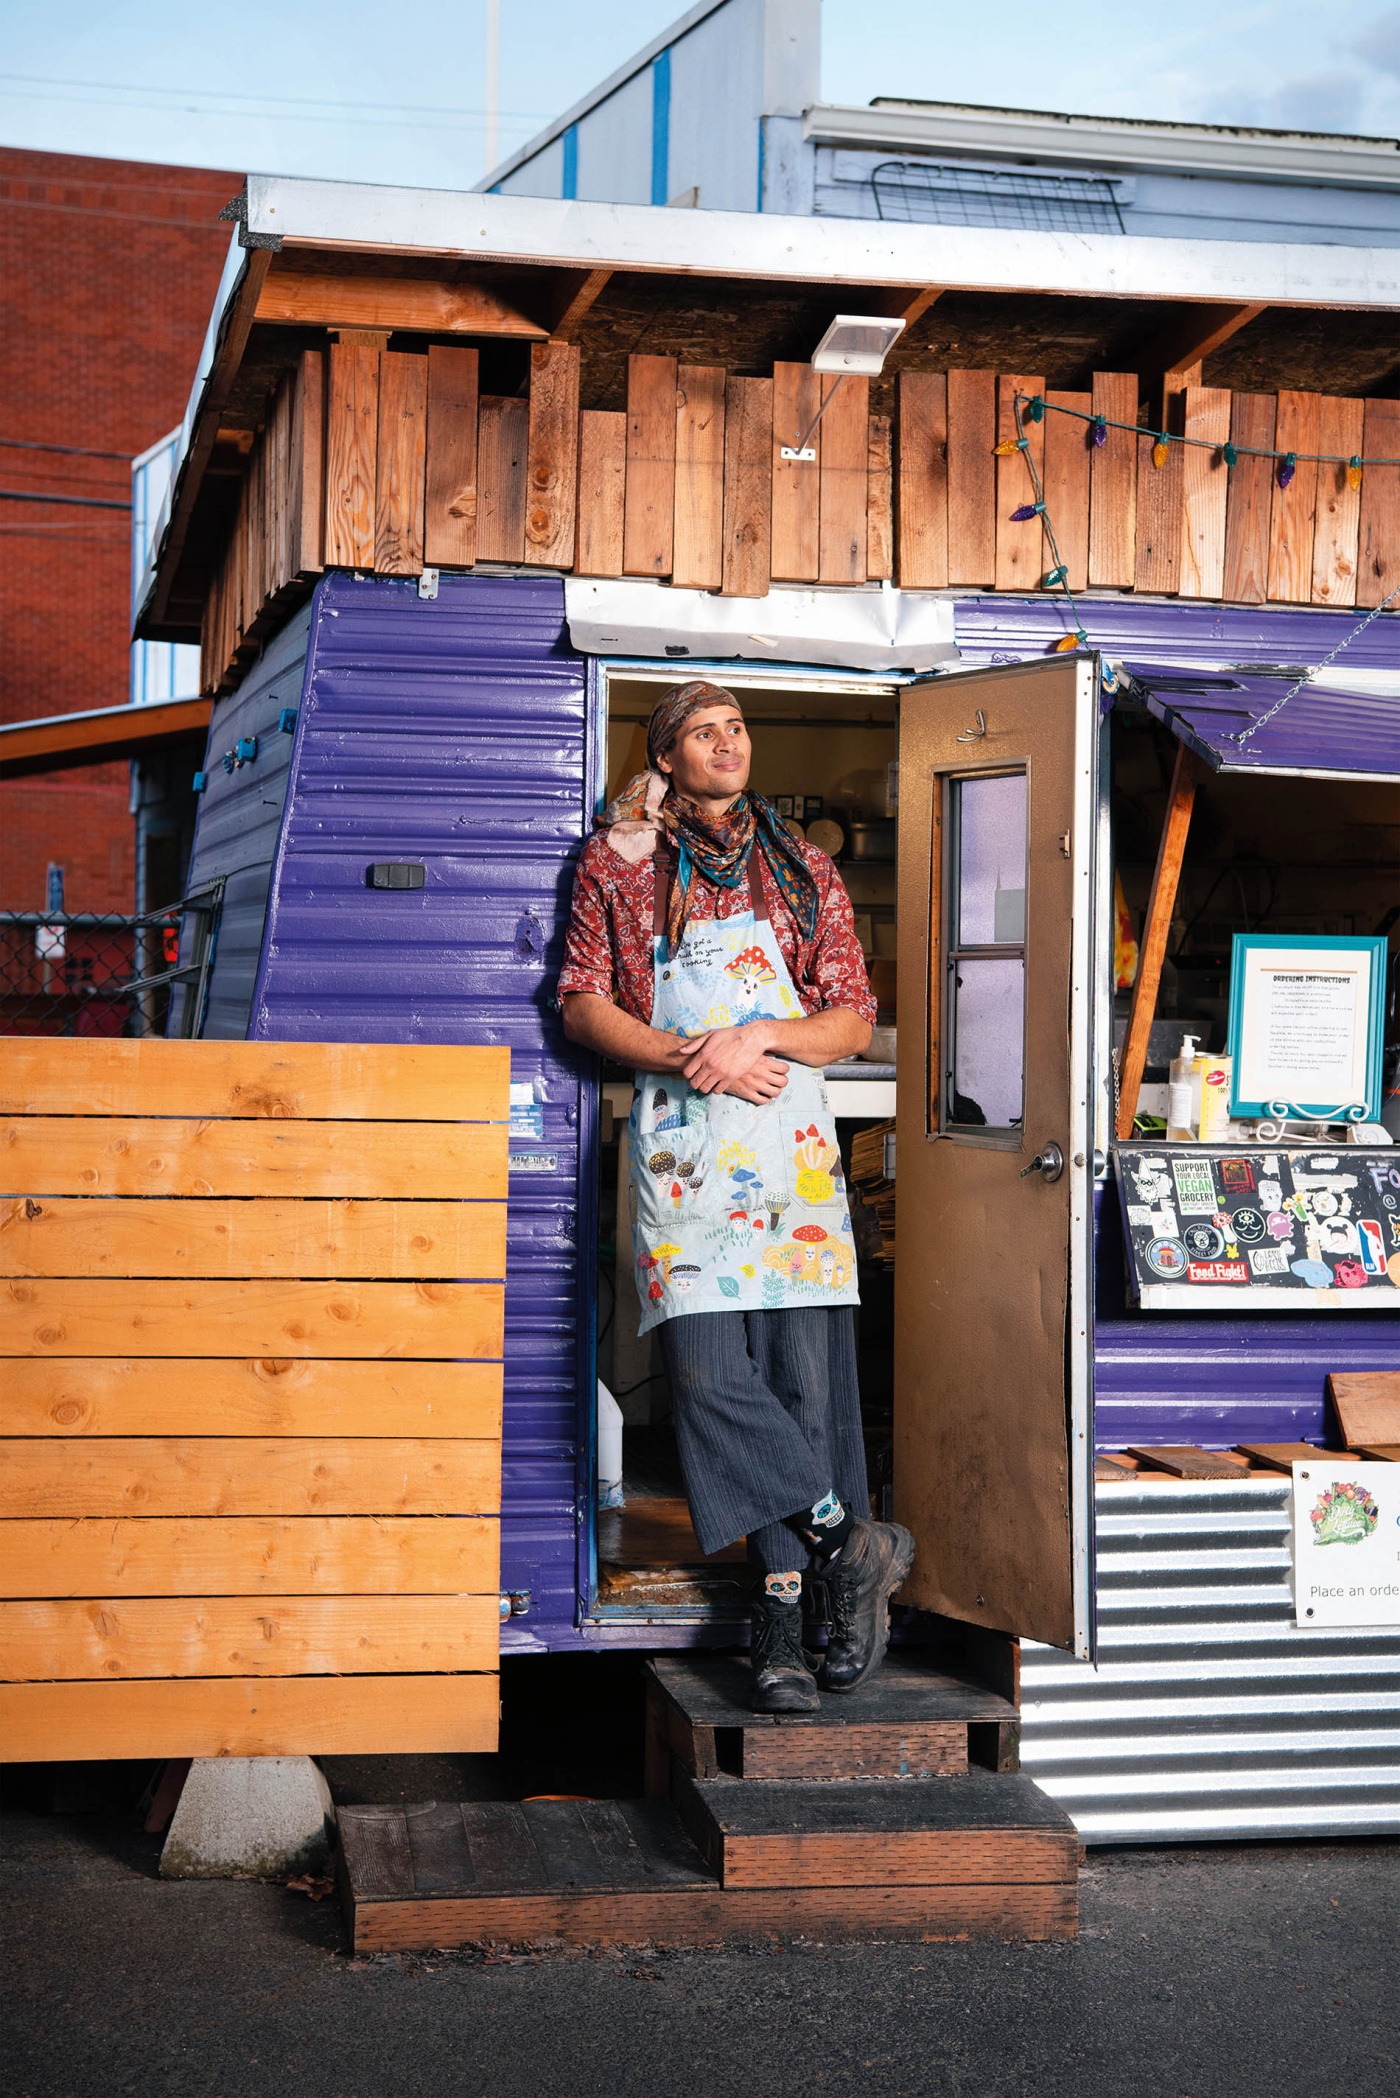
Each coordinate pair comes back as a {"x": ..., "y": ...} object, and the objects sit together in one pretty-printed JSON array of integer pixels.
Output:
[{"x": 614, "y": 146}]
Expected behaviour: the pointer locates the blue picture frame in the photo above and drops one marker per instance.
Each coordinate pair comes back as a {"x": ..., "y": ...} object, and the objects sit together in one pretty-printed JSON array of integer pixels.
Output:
[{"x": 1245, "y": 943}]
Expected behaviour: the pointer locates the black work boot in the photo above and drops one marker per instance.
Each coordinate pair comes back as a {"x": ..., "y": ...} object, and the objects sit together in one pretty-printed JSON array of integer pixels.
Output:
[
  {"x": 859, "y": 1583},
  {"x": 782, "y": 1681}
]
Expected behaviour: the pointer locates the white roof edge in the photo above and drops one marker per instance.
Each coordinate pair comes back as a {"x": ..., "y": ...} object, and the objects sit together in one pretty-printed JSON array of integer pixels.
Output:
[
  {"x": 1277, "y": 156},
  {"x": 637, "y": 63},
  {"x": 464, "y": 224}
]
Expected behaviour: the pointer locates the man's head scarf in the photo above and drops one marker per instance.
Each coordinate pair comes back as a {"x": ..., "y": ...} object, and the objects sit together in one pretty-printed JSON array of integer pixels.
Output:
[{"x": 718, "y": 847}]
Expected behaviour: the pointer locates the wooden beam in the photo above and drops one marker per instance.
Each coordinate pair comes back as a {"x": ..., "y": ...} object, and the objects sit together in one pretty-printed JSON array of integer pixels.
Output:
[
  {"x": 906, "y": 302},
  {"x": 575, "y": 293},
  {"x": 423, "y": 305},
  {"x": 1171, "y": 851},
  {"x": 1172, "y": 356},
  {"x": 228, "y": 356}
]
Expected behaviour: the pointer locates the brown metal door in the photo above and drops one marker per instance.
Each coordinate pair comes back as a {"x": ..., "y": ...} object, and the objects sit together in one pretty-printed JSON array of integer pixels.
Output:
[{"x": 994, "y": 1173}]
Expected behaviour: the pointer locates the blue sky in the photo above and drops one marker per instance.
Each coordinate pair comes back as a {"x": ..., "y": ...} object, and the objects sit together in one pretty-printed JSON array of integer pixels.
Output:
[{"x": 360, "y": 90}]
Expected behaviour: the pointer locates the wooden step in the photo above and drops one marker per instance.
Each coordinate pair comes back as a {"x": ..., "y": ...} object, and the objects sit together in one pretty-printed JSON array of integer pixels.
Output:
[
  {"x": 913, "y": 1719},
  {"x": 981, "y": 1829},
  {"x": 624, "y": 1872}
]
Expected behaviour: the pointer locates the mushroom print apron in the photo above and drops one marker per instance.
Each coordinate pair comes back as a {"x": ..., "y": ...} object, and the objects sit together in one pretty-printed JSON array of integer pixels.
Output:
[{"x": 734, "y": 1207}]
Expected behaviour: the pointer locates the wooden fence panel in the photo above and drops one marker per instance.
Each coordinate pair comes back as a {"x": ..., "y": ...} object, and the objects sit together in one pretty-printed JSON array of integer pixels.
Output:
[
  {"x": 1379, "y": 562},
  {"x": 972, "y": 495},
  {"x": 352, "y": 443},
  {"x": 879, "y": 499},
  {"x": 1249, "y": 499},
  {"x": 1337, "y": 527},
  {"x": 1066, "y": 472},
  {"x": 649, "y": 522},
  {"x": 1020, "y": 562},
  {"x": 796, "y": 529},
  {"x": 502, "y": 449},
  {"x": 1294, "y": 513},
  {"x": 207, "y": 1402},
  {"x": 748, "y": 487},
  {"x": 449, "y": 528},
  {"x": 1113, "y": 484},
  {"x": 1205, "y": 486},
  {"x": 400, "y": 464},
  {"x": 1157, "y": 552},
  {"x": 552, "y": 472},
  {"x": 697, "y": 557},
  {"x": 922, "y": 454},
  {"x": 845, "y": 462},
  {"x": 602, "y": 480}
]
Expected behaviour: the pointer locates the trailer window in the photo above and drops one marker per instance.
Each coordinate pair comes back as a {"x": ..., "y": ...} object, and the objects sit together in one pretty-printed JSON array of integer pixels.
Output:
[{"x": 985, "y": 955}]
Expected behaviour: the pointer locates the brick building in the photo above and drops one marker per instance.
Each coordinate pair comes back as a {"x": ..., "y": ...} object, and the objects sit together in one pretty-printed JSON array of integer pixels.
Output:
[{"x": 77, "y": 234}]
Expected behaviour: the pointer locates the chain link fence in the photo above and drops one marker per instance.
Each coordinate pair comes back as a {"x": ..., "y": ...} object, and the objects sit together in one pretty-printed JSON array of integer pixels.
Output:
[{"x": 100, "y": 973}]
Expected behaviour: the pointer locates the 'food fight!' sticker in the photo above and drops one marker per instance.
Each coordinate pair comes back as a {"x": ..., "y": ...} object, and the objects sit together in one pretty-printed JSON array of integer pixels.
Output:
[{"x": 1216, "y": 1271}]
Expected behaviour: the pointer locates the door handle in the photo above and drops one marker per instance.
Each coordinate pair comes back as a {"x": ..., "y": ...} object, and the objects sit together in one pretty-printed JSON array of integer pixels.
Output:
[{"x": 1049, "y": 1162}]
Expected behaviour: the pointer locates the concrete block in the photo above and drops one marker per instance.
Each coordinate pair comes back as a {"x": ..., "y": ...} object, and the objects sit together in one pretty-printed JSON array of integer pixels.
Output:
[{"x": 271, "y": 1815}]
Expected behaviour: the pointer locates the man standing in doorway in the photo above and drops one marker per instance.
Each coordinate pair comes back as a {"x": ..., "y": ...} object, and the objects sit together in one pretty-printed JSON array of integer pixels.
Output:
[{"x": 716, "y": 953}]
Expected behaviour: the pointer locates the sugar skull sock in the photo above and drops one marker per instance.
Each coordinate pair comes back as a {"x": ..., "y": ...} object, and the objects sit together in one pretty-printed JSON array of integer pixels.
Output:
[
  {"x": 783, "y": 1587},
  {"x": 824, "y": 1526}
]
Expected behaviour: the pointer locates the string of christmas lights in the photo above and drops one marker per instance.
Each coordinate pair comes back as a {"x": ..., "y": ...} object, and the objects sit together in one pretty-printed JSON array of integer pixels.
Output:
[{"x": 1286, "y": 463}]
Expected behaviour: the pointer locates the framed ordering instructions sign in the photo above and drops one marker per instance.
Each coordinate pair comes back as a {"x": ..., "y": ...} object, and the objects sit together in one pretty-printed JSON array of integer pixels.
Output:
[{"x": 1306, "y": 1018}]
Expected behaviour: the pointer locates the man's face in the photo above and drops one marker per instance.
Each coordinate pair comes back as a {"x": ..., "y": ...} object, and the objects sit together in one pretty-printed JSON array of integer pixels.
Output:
[{"x": 710, "y": 759}]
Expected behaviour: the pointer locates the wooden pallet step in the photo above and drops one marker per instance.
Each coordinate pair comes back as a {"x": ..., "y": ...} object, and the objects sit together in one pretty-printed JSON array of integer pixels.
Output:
[
  {"x": 981, "y": 1829},
  {"x": 624, "y": 1872},
  {"x": 913, "y": 1719}
]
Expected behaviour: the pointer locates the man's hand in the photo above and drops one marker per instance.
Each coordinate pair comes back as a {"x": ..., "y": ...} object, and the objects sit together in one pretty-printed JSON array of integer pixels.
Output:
[
  {"x": 762, "y": 1084},
  {"x": 725, "y": 1056}
]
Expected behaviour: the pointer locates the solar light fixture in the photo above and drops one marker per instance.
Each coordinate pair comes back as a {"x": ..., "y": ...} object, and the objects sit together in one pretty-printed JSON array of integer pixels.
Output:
[{"x": 854, "y": 342}]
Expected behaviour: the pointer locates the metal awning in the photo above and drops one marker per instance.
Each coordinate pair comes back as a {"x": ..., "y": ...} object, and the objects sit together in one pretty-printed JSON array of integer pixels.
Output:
[
  {"x": 61, "y": 740},
  {"x": 1331, "y": 727}
]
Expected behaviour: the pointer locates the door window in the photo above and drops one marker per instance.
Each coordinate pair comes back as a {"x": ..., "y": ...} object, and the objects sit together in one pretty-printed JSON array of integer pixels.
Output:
[{"x": 984, "y": 946}]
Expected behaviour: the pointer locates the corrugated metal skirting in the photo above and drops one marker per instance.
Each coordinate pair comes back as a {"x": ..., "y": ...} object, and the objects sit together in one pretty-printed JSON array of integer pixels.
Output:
[{"x": 1211, "y": 1715}]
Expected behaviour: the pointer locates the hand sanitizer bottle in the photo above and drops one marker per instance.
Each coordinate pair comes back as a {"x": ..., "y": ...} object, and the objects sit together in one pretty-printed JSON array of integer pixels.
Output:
[{"x": 1183, "y": 1094}]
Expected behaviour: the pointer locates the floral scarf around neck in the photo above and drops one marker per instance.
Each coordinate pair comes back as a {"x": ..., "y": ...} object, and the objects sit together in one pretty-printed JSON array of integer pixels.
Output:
[{"x": 717, "y": 847}]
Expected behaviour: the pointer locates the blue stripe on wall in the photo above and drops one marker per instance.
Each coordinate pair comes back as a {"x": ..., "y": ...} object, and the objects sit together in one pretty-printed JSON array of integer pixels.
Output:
[
  {"x": 660, "y": 127},
  {"x": 570, "y": 185}
]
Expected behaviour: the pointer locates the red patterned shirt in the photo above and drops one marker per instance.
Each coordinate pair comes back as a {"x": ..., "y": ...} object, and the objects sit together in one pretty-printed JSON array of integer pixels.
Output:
[{"x": 608, "y": 946}]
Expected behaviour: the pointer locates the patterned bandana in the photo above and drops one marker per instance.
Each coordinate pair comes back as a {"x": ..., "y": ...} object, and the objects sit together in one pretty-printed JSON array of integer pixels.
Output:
[{"x": 649, "y": 808}]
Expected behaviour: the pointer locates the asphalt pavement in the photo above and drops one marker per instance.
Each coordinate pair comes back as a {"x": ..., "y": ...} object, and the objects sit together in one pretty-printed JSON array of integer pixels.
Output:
[{"x": 1258, "y": 1971}]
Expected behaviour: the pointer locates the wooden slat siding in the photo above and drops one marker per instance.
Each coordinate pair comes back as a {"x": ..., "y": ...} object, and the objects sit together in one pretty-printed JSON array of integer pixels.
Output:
[
  {"x": 45, "y": 1155},
  {"x": 260, "y": 1395},
  {"x": 1113, "y": 485},
  {"x": 1249, "y": 500},
  {"x": 1337, "y": 530},
  {"x": 1205, "y": 487},
  {"x": 1157, "y": 550},
  {"x": 59, "y": 1235},
  {"x": 352, "y": 442},
  {"x": 921, "y": 437},
  {"x": 248, "y": 1475},
  {"x": 1294, "y": 513},
  {"x": 83, "y": 1315},
  {"x": 648, "y": 518},
  {"x": 1378, "y": 564},
  {"x": 151, "y": 1636},
  {"x": 697, "y": 557},
  {"x": 972, "y": 492},
  {"x": 748, "y": 486},
  {"x": 879, "y": 500},
  {"x": 449, "y": 522},
  {"x": 1020, "y": 548},
  {"x": 265, "y": 1081},
  {"x": 250, "y": 1555},
  {"x": 552, "y": 471},
  {"x": 502, "y": 443},
  {"x": 307, "y": 500},
  {"x": 1066, "y": 471},
  {"x": 602, "y": 482},
  {"x": 845, "y": 435},
  {"x": 250, "y": 1716},
  {"x": 796, "y": 555},
  {"x": 401, "y": 464}
]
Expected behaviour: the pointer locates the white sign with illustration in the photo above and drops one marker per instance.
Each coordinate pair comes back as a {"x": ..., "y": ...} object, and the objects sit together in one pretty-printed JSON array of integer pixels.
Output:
[{"x": 1346, "y": 1542}]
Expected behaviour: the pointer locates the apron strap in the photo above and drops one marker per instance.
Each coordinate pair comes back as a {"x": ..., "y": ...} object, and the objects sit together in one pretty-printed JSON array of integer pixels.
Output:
[{"x": 664, "y": 874}]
